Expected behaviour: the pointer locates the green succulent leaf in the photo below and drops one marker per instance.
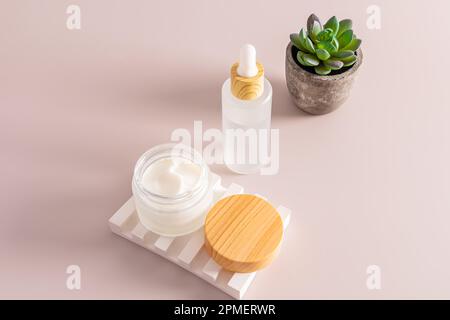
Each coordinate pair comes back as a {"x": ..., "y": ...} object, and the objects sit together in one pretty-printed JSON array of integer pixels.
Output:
[
  {"x": 325, "y": 35},
  {"x": 322, "y": 70},
  {"x": 306, "y": 41},
  {"x": 330, "y": 46},
  {"x": 345, "y": 38},
  {"x": 309, "y": 45},
  {"x": 344, "y": 25},
  {"x": 310, "y": 60},
  {"x": 349, "y": 61},
  {"x": 334, "y": 64},
  {"x": 314, "y": 31},
  {"x": 295, "y": 39},
  {"x": 354, "y": 44},
  {"x": 300, "y": 59},
  {"x": 302, "y": 35},
  {"x": 307, "y": 59},
  {"x": 343, "y": 54},
  {"x": 322, "y": 54},
  {"x": 335, "y": 44},
  {"x": 313, "y": 26},
  {"x": 332, "y": 24}
]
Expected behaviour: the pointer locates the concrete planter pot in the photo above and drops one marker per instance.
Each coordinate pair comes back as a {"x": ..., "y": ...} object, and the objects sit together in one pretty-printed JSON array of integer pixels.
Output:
[{"x": 317, "y": 94}]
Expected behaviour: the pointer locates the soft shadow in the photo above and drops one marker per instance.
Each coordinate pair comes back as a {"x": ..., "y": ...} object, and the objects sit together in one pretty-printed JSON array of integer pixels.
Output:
[
  {"x": 152, "y": 273},
  {"x": 282, "y": 104},
  {"x": 138, "y": 92},
  {"x": 193, "y": 96}
]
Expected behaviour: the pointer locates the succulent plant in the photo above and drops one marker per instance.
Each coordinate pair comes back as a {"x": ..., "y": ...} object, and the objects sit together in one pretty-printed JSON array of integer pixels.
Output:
[{"x": 328, "y": 47}]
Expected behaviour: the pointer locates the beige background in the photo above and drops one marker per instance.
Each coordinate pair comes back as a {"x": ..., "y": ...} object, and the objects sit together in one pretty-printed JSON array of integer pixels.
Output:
[{"x": 369, "y": 183}]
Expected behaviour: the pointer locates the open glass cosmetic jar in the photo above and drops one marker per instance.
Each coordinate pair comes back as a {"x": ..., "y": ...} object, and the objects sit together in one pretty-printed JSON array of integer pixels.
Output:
[{"x": 172, "y": 189}]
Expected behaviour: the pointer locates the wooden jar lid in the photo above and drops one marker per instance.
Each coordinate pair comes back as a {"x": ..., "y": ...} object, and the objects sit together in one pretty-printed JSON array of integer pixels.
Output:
[{"x": 243, "y": 233}]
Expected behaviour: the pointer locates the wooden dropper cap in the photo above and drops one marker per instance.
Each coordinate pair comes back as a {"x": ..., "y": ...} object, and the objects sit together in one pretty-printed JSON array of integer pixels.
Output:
[{"x": 247, "y": 75}]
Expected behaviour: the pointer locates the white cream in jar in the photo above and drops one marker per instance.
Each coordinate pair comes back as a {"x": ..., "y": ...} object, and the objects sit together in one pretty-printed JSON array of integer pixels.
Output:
[
  {"x": 172, "y": 189},
  {"x": 170, "y": 177}
]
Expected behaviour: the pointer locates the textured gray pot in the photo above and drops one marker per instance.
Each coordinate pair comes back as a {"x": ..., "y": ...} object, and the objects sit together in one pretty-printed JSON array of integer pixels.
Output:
[{"x": 317, "y": 94}]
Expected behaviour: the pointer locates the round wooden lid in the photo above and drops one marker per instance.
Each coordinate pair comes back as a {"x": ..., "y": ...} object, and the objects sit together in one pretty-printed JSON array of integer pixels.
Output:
[{"x": 243, "y": 233}]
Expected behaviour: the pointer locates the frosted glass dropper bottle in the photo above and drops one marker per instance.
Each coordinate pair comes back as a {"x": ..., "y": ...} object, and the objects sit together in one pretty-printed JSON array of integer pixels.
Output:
[{"x": 246, "y": 114}]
